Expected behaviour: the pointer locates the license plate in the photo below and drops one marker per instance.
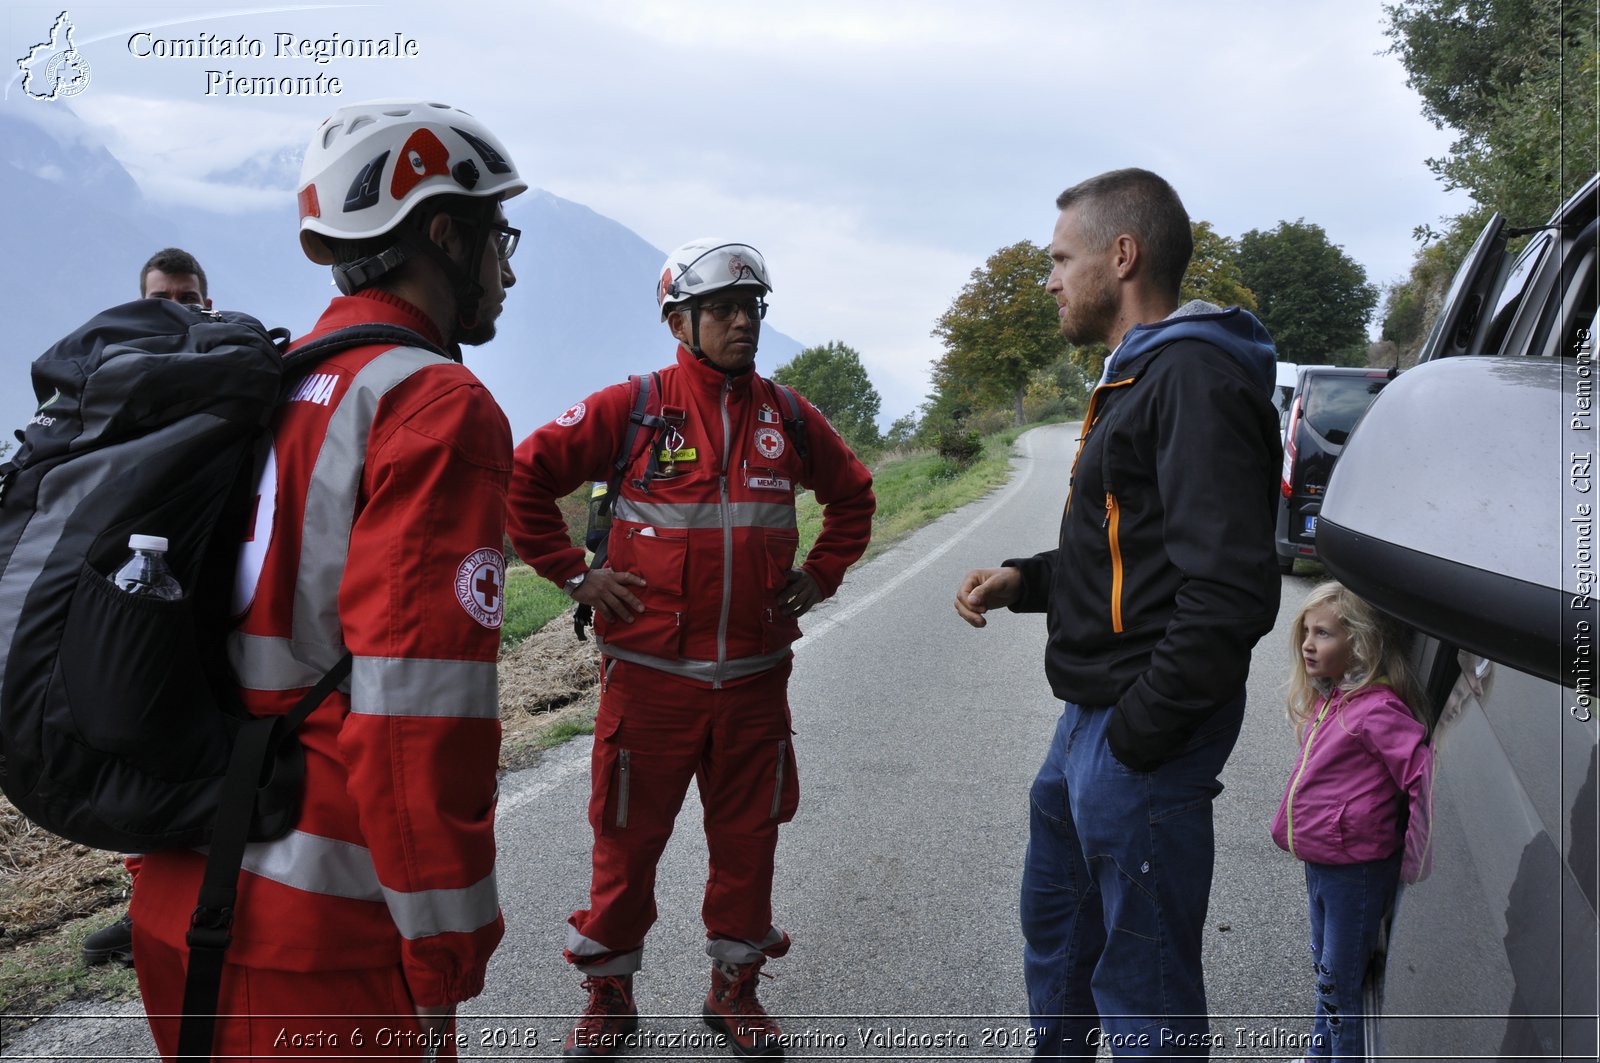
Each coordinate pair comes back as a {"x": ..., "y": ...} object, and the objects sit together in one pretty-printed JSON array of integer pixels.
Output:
[{"x": 1311, "y": 527}]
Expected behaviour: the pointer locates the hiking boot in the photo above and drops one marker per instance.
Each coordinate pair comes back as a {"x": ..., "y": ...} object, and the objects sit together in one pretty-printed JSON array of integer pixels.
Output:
[
  {"x": 604, "y": 1026},
  {"x": 732, "y": 1010},
  {"x": 114, "y": 942}
]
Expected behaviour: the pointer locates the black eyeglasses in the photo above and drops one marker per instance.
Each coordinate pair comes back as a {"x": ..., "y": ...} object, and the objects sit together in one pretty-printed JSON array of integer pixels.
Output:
[
  {"x": 754, "y": 309},
  {"x": 505, "y": 239}
]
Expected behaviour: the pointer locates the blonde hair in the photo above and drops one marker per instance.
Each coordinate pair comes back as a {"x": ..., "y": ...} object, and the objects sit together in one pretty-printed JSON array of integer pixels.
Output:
[{"x": 1377, "y": 655}]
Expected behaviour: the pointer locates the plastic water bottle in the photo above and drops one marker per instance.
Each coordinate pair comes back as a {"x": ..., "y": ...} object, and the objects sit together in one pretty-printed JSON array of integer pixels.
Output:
[{"x": 145, "y": 574}]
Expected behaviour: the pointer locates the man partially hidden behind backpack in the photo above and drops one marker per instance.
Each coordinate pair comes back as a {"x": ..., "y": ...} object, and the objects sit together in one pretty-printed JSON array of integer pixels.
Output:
[
  {"x": 378, "y": 529},
  {"x": 697, "y": 605},
  {"x": 171, "y": 273}
]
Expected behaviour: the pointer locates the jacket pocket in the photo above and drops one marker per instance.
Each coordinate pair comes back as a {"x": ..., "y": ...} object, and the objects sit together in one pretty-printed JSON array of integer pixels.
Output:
[
  {"x": 781, "y": 547},
  {"x": 1113, "y": 540},
  {"x": 660, "y": 557},
  {"x": 778, "y": 628}
]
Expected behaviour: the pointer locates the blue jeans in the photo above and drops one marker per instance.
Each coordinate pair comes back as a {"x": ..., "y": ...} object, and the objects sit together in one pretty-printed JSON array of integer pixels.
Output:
[
  {"x": 1347, "y": 903},
  {"x": 1115, "y": 887}
]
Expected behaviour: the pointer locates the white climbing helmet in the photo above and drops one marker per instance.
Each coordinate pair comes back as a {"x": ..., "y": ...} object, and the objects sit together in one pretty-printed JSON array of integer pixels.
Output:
[
  {"x": 703, "y": 266},
  {"x": 371, "y": 162}
]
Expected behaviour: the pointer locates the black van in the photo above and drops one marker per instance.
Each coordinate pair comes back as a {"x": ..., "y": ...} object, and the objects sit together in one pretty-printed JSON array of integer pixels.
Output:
[{"x": 1328, "y": 400}]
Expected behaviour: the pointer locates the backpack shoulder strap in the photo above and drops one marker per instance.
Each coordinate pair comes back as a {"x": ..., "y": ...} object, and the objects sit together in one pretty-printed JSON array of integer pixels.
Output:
[
  {"x": 646, "y": 413},
  {"x": 300, "y": 361},
  {"x": 794, "y": 421}
]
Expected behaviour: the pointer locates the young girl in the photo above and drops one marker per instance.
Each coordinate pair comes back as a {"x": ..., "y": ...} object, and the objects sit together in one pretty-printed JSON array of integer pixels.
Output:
[{"x": 1355, "y": 808}]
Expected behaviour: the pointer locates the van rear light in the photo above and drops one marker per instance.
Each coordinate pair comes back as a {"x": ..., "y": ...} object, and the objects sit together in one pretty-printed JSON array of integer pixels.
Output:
[{"x": 1289, "y": 450}]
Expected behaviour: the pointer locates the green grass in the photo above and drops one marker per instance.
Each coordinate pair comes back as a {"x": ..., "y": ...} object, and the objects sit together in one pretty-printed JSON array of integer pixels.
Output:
[
  {"x": 47, "y": 971},
  {"x": 531, "y": 603},
  {"x": 917, "y": 488}
]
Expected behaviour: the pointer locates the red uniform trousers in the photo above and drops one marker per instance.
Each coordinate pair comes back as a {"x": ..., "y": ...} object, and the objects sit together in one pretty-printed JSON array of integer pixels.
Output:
[
  {"x": 653, "y": 734},
  {"x": 267, "y": 1014}
]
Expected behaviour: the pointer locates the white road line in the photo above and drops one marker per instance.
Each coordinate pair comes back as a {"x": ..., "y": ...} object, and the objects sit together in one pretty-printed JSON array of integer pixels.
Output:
[{"x": 834, "y": 620}]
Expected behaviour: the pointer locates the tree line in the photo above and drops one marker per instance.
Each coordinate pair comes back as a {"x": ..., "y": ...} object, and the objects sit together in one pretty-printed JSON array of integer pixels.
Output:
[{"x": 1514, "y": 80}]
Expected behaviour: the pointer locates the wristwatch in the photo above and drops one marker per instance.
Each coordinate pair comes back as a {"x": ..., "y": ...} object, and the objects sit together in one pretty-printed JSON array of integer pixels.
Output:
[{"x": 570, "y": 587}]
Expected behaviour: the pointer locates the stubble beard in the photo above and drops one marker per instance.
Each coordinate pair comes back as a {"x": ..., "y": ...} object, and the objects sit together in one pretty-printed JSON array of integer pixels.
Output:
[{"x": 1091, "y": 317}]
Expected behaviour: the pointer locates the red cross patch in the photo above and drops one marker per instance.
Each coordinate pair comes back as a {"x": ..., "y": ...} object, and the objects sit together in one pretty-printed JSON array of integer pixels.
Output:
[{"x": 480, "y": 586}]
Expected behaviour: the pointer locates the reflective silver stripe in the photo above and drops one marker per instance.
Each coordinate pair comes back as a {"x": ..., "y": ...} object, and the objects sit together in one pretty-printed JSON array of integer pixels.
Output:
[
  {"x": 398, "y": 686},
  {"x": 619, "y": 963},
  {"x": 330, "y": 502},
  {"x": 317, "y": 642},
  {"x": 332, "y": 868},
  {"x": 705, "y": 514},
  {"x": 705, "y": 671},
  {"x": 429, "y": 912},
  {"x": 270, "y": 663},
  {"x": 316, "y": 864}
]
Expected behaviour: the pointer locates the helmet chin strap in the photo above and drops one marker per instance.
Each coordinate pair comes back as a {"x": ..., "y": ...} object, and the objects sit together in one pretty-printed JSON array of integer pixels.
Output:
[
  {"x": 694, "y": 344},
  {"x": 464, "y": 283},
  {"x": 352, "y": 277}
]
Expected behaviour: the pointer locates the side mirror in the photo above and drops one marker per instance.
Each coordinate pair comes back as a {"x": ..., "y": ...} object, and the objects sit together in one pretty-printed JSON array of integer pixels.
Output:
[{"x": 1465, "y": 504}]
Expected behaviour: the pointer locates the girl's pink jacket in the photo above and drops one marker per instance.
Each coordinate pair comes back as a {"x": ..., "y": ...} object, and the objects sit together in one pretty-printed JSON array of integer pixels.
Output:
[{"x": 1364, "y": 758}]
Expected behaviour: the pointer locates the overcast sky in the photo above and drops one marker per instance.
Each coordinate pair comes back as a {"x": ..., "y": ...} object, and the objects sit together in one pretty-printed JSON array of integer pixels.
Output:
[{"x": 876, "y": 152}]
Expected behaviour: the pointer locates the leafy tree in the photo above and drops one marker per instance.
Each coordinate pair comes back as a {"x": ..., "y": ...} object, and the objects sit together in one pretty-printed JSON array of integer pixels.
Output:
[
  {"x": 1313, "y": 298},
  {"x": 1213, "y": 273},
  {"x": 1411, "y": 305},
  {"x": 1515, "y": 79},
  {"x": 1001, "y": 327},
  {"x": 901, "y": 432},
  {"x": 835, "y": 381}
]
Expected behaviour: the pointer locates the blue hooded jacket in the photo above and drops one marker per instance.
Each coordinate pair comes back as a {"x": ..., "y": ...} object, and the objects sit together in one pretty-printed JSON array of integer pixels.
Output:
[
  {"x": 1234, "y": 330},
  {"x": 1165, "y": 575}
]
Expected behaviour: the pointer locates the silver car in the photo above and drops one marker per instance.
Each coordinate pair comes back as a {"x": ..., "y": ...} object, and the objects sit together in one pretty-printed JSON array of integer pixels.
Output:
[{"x": 1465, "y": 503}]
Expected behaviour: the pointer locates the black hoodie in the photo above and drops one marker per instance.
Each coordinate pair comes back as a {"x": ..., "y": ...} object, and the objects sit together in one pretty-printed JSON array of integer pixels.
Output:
[{"x": 1166, "y": 575}]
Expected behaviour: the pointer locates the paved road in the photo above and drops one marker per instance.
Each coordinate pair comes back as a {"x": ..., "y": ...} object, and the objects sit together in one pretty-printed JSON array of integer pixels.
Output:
[{"x": 917, "y": 737}]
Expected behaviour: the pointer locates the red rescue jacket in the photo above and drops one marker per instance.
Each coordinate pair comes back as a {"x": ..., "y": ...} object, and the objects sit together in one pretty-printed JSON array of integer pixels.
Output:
[
  {"x": 379, "y": 529},
  {"x": 714, "y": 537}
]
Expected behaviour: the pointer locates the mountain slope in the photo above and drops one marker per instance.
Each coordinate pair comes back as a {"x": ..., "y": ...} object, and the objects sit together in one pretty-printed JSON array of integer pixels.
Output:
[{"x": 581, "y": 315}]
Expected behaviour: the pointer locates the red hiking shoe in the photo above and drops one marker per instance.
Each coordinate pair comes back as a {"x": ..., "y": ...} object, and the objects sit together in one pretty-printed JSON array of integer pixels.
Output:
[
  {"x": 732, "y": 1010},
  {"x": 605, "y": 1025}
]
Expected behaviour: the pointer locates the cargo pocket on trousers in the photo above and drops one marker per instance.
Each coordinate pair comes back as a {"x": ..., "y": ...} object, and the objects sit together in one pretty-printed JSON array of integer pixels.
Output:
[
  {"x": 785, "y": 784},
  {"x": 612, "y": 771}
]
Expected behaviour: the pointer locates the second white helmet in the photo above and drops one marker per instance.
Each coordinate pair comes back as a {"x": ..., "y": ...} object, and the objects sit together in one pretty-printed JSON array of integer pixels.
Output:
[{"x": 703, "y": 266}]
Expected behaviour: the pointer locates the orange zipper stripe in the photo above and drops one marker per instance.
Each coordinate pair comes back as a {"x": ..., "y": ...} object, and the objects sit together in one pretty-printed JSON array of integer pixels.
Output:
[
  {"x": 1088, "y": 426},
  {"x": 1113, "y": 519}
]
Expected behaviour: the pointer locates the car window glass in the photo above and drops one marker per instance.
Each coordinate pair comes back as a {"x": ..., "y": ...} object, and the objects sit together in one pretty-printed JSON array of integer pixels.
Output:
[
  {"x": 1334, "y": 403},
  {"x": 1511, "y": 293},
  {"x": 1581, "y": 292}
]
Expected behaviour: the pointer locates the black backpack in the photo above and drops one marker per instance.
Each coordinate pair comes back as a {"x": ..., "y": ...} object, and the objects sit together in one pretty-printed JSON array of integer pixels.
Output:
[{"x": 121, "y": 725}]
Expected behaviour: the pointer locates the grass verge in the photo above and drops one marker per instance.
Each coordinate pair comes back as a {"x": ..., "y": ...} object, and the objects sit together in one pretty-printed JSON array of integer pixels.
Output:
[
  {"x": 914, "y": 489},
  {"x": 531, "y": 603}
]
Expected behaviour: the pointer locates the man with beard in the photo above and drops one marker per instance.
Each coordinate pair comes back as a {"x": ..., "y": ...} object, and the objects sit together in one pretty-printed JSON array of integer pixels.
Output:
[
  {"x": 1163, "y": 580},
  {"x": 379, "y": 521}
]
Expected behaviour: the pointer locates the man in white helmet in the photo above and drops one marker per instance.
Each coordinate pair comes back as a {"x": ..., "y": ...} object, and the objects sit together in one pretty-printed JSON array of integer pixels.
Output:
[
  {"x": 697, "y": 602},
  {"x": 378, "y": 531}
]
